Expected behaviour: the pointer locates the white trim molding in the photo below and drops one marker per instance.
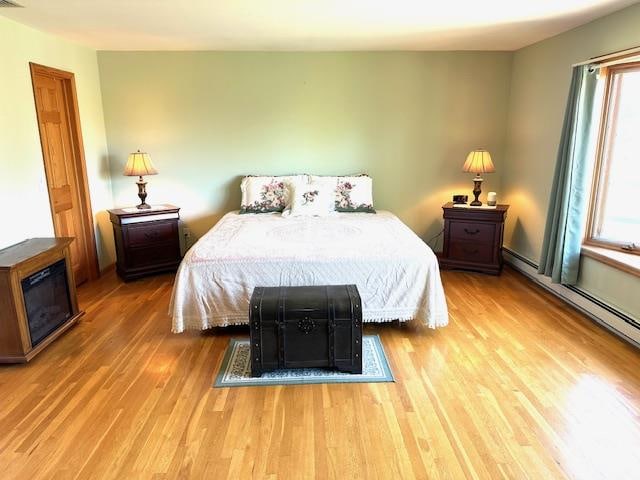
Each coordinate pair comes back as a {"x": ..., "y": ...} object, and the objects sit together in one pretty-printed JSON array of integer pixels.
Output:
[{"x": 610, "y": 318}]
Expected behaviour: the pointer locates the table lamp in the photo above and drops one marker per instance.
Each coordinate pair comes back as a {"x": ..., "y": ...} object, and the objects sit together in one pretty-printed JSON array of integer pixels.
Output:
[
  {"x": 478, "y": 161},
  {"x": 138, "y": 165}
]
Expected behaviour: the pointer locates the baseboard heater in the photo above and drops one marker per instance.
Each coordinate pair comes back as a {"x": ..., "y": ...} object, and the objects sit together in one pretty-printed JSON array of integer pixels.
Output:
[{"x": 609, "y": 317}]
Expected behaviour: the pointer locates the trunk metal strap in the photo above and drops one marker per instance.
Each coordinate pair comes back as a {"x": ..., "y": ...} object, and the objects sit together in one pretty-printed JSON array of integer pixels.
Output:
[
  {"x": 282, "y": 360},
  {"x": 331, "y": 312}
]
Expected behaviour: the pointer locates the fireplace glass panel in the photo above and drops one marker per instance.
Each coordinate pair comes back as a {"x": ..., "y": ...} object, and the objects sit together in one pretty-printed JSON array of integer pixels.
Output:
[{"x": 46, "y": 299}]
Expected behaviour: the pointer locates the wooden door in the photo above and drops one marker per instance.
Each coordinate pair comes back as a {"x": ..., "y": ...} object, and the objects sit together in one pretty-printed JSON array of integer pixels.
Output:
[{"x": 56, "y": 108}]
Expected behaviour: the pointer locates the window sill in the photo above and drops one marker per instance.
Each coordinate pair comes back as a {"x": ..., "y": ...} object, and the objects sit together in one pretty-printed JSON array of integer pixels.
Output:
[{"x": 627, "y": 262}]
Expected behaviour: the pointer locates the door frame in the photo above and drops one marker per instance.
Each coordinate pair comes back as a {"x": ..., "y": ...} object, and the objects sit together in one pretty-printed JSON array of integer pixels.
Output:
[{"x": 77, "y": 145}]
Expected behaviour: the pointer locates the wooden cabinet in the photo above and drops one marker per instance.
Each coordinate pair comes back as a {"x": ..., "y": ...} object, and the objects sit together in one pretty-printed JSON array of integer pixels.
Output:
[
  {"x": 147, "y": 241},
  {"x": 473, "y": 238},
  {"x": 37, "y": 296}
]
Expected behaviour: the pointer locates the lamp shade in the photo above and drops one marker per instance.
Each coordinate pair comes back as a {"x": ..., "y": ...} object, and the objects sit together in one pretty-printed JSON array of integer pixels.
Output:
[
  {"x": 479, "y": 161},
  {"x": 139, "y": 164}
]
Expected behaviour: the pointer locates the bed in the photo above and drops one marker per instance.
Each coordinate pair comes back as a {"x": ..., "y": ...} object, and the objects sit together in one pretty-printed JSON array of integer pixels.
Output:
[{"x": 396, "y": 273}]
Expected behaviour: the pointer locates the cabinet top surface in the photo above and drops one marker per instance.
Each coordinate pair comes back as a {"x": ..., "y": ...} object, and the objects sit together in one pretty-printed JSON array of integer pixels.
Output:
[
  {"x": 14, "y": 255},
  {"x": 499, "y": 208},
  {"x": 133, "y": 211}
]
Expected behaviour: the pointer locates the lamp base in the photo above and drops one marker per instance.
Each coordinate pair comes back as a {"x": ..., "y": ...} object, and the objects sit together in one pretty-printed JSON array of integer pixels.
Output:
[
  {"x": 142, "y": 193},
  {"x": 477, "y": 184}
]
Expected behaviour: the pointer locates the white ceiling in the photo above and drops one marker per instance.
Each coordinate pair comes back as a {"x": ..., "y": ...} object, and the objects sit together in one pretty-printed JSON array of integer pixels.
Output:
[{"x": 309, "y": 24}]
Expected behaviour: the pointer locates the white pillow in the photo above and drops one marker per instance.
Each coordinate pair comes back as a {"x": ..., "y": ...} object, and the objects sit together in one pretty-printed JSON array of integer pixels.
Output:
[
  {"x": 264, "y": 194},
  {"x": 312, "y": 199},
  {"x": 351, "y": 193}
]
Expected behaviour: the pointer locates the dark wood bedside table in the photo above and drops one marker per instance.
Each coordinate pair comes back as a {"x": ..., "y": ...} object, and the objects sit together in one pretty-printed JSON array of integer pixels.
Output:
[
  {"x": 473, "y": 238},
  {"x": 147, "y": 241}
]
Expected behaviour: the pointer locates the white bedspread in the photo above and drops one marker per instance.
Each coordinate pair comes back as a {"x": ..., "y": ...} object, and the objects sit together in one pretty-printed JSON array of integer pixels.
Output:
[{"x": 396, "y": 273}]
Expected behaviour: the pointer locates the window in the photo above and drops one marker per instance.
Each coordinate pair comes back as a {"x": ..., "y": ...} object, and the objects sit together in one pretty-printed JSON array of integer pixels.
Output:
[{"x": 615, "y": 204}]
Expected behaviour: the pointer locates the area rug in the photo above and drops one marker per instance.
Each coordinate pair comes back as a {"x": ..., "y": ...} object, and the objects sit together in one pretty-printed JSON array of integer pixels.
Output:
[{"x": 236, "y": 368}]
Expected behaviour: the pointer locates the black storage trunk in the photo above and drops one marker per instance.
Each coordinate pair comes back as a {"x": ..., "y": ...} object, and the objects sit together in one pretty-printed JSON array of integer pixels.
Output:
[{"x": 302, "y": 327}]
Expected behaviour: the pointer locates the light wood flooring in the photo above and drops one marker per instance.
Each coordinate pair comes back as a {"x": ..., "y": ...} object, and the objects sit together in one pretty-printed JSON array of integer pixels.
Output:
[{"x": 517, "y": 386}]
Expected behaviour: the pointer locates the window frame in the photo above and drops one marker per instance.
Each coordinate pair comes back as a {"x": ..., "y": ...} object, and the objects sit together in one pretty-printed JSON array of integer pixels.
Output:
[{"x": 598, "y": 186}]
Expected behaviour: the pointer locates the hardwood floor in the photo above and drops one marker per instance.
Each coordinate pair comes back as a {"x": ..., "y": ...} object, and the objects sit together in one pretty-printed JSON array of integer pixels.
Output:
[{"x": 517, "y": 386}]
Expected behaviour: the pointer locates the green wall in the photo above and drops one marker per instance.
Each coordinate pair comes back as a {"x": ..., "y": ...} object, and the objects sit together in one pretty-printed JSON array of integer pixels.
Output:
[
  {"x": 23, "y": 188},
  {"x": 207, "y": 118},
  {"x": 539, "y": 88}
]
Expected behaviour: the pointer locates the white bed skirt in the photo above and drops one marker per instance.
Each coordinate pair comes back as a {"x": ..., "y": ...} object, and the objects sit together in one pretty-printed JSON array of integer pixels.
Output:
[{"x": 396, "y": 273}]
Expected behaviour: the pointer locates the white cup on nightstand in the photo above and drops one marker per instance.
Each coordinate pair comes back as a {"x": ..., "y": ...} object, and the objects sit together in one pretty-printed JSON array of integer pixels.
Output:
[{"x": 491, "y": 199}]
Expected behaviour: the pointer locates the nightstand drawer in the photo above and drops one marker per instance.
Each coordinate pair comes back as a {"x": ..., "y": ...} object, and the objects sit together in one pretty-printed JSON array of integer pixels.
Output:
[
  {"x": 471, "y": 251},
  {"x": 158, "y": 255},
  {"x": 473, "y": 231},
  {"x": 151, "y": 233}
]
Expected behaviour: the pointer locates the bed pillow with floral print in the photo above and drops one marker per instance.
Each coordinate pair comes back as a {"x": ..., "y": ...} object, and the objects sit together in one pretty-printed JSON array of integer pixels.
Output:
[
  {"x": 352, "y": 193},
  {"x": 312, "y": 199},
  {"x": 262, "y": 194}
]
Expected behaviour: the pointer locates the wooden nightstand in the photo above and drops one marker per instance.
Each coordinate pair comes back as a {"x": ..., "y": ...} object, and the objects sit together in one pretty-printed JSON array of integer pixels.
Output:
[
  {"x": 473, "y": 238},
  {"x": 147, "y": 241}
]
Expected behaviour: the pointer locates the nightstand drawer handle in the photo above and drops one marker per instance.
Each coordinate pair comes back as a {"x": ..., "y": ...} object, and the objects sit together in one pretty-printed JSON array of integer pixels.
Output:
[
  {"x": 151, "y": 235},
  {"x": 471, "y": 252},
  {"x": 469, "y": 232}
]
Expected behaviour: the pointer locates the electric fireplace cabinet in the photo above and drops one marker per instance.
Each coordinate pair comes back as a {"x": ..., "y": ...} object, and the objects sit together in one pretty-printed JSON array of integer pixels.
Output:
[{"x": 37, "y": 297}]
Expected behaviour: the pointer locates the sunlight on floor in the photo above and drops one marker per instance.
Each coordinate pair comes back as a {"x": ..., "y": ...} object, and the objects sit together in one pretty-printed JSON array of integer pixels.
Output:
[{"x": 602, "y": 431}]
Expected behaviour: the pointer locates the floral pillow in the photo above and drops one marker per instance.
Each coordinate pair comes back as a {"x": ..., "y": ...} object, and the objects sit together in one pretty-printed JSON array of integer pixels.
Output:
[
  {"x": 352, "y": 193},
  {"x": 267, "y": 194},
  {"x": 312, "y": 199}
]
